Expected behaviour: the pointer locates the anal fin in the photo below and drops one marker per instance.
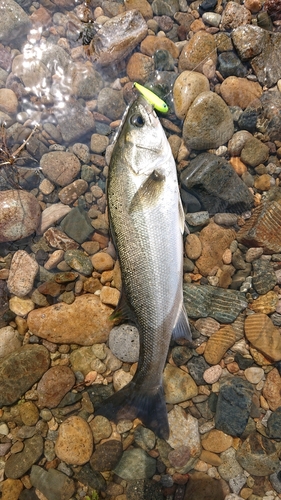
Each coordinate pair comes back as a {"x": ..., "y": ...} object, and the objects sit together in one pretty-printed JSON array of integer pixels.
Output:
[{"x": 181, "y": 330}]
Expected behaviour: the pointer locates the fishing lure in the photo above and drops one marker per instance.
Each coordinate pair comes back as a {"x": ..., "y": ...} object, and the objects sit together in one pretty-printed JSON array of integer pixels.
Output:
[{"x": 152, "y": 98}]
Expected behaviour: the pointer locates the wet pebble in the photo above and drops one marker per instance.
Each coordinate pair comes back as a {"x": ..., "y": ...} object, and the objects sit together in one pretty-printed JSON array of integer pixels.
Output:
[
  {"x": 85, "y": 321},
  {"x": 216, "y": 441},
  {"x": 272, "y": 388},
  {"x": 77, "y": 224},
  {"x": 54, "y": 164},
  {"x": 19, "y": 215},
  {"x": 77, "y": 260},
  {"x": 101, "y": 428},
  {"x": 9, "y": 341},
  {"x": 218, "y": 344},
  {"x": 139, "y": 67},
  {"x": 263, "y": 335},
  {"x": 258, "y": 455},
  {"x": 212, "y": 374},
  {"x": 235, "y": 15},
  {"x": 19, "y": 463},
  {"x": 202, "y": 486},
  {"x": 75, "y": 441},
  {"x": 111, "y": 103},
  {"x": 53, "y": 386},
  {"x": 106, "y": 456},
  {"x": 178, "y": 385},
  {"x": 239, "y": 91},
  {"x": 124, "y": 343},
  {"x": 197, "y": 52},
  {"x": 15, "y": 21},
  {"x": 22, "y": 273},
  {"x": 188, "y": 85},
  {"x": 29, "y": 413},
  {"x": 135, "y": 464},
  {"x": 53, "y": 483},
  {"x": 254, "y": 152},
  {"x": 184, "y": 429}
]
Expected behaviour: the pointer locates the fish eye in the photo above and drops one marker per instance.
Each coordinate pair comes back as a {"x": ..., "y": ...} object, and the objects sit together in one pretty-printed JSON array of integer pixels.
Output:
[{"x": 137, "y": 121}]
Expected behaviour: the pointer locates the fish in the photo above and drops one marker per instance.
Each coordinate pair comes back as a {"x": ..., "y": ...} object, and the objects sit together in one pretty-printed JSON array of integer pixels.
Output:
[{"x": 146, "y": 223}]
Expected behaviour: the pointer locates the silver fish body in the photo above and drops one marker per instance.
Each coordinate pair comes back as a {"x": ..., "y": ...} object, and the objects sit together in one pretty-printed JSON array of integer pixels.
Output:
[{"x": 147, "y": 222}]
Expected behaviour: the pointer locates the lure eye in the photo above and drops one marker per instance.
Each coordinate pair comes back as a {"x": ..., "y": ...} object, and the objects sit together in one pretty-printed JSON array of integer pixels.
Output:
[{"x": 137, "y": 121}]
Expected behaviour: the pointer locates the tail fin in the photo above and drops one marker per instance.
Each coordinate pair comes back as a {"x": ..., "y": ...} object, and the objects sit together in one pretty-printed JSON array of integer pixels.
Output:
[{"x": 130, "y": 403}]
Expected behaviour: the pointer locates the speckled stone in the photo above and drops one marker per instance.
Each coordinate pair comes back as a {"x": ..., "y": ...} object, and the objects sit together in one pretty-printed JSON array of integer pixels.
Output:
[
  {"x": 229, "y": 468},
  {"x": 197, "y": 52},
  {"x": 60, "y": 167},
  {"x": 53, "y": 386},
  {"x": 78, "y": 261},
  {"x": 124, "y": 343},
  {"x": 19, "y": 463},
  {"x": 184, "y": 430},
  {"x": 22, "y": 273},
  {"x": 106, "y": 455},
  {"x": 178, "y": 385},
  {"x": 54, "y": 484},
  {"x": 188, "y": 85},
  {"x": 235, "y": 15},
  {"x": 19, "y": 215},
  {"x": 75, "y": 441},
  {"x": 135, "y": 463},
  {"x": 254, "y": 152},
  {"x": 9, "y": 341},
  {"x": 258, "y": 455}
]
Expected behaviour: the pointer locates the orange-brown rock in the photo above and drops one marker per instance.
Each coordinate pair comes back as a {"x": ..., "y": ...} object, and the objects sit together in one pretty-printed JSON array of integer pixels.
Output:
[
  {"x": 152, "y": 43},
  {"x": 197, "y": 51},
  {"x": 272, "y": 389},
  {"x": 75, "y": 441},
  {"x": 216, "y": 441},
  {"x": 83, "y": 322},
  {"x": 265, "y": 303},
  {"x": 139, "y": 67},
  {"x": 218, "y": 344},
  {"x": 215, "y": 240},
  {"x": 239, "y": 91},
  {"x": 263, "y": 335},
  {"x": 239, "y": 167}
]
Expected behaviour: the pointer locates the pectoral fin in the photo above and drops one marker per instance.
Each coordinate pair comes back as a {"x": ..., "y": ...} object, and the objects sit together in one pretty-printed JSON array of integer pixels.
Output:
[{"x": 148, "y": 194}]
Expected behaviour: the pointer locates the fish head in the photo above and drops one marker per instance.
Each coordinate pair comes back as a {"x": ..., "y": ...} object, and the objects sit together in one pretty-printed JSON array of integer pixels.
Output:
[{"x": 145, "y": 145}]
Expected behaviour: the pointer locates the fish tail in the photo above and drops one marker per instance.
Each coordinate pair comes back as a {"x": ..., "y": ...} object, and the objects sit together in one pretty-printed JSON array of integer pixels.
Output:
[{"x": 131, "y": 402}]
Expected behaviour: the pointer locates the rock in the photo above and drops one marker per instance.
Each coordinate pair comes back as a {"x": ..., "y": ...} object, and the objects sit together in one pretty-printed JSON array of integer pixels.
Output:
[
  {"x": 101, "y": 428},
  {"x": 263, "y": 228},
  {"x": 238, "y": 141},
  {"x": 75, "y": 121},
  {"x": 124, "y": 343},
  {"x": 208, "y": 122},
  {"x": 239, "y": 91},
  {"x": 60, "y": 167},
  {"x": 29, "y": 413},
  {"x": 135, "y": 464},
  {"x": 71, "y": 192},
  {"x": 51, "y": 215},
  {"x": 54, "y": 385},
  {"x": 272, "y": 389},
  {"x": 216, "y": 441},
  {"x": 58, "y": 239},
  {"x": 19, "y": 215},
  {"x": 263, "y": 335},
  {"x": 178, "y": 385},
  {"x": 84, "y": 322},
  {"x": 264, "y": 277},
  {"x": 106, "y": 455},
  {"x": 217, "y": 186},
  {"x": 14, "y": 22},
  {"x": 271, "y": 102},
  {"x": 91, "y": 478},
  {"x": 11, "y": 489},
  {"x": 265, "y": 303},
  {"x": 20, "y": 370},
  {"x": 214, "y": 240},
  {"x": 111, "y": 102},
  {"x": 230, "y": 65},
  {"x": 8, "y": 101},
  {"x": 142, "y": 489},
  {"x": 110, "y": 296},
  {"x": 212, "y": 374},
  {"x": 211, "y": 18},
  {"x": 152, "y": 44},
  {"x": 196, "y": 367},
  {"x": 233, "y": 406},
  {"x": 218, "y": 344},
  {"x": 197, "y": 52},
  {"x": 52, "y": 483},
  {"x": 77, "y": 224},
  {"x": 193, "y": 246},
  {"x": 139, "y": 67},
  {"x": 222, "y": 305},
  {"x": 235, "y": 15},
  {"x": 22, "y": 273},
  {"x": 75, "y": 441},
  {"x": 258, "y": 455},
  {"x": 144, "y": 438},
  {"x": 86, "y": 82},
  {"x": 254, "y": 152},
  {"x": 184, "y": 429},
  {"x": 21, "y": 306},
  {"x": 78, "y": 261},
  {"x": 249, "y": 40},
  {"x": 19, "y": 463},
  {"x": 229, "y": 468},
  {"x": 118, "y": 37},
  {"x": 188, "y": 85},
  {"x": 9, "y": 341},
  {"x": 254, "y": 374},
  {"x": 200, "y": 486},
  {"x": 273, "y": 424},
  {"x": 102, "y": 261}
]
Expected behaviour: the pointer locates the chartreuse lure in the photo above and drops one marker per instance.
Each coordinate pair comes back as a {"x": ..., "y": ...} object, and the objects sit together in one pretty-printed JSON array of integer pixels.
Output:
[{"x": 152, "y": 98}]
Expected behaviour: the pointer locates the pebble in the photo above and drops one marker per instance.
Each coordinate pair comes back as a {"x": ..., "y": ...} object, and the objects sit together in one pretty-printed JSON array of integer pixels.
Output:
[
  {"x": 53, "y": 165},
  {"x": 202, "y": 486},
  {"x": 106, "y": 456},
  {"x": 110, "y": 296},
  {"x": 273, "y": 424},
  {"x": 102, "y": 261},
  {"x": 272, "y": 388},
  {"x": 19, "y": 215},
  {"x": 184, "y": 429},
  {"x": 16, "y": 379},
  {"x": 178, "y": 385},
  {"x": 101, "y": 428},
  {"x": 197, "y": 51},
  {"x": 239, "y": 91},
  {"x": 29, "y": 413},
  {"x": 77, "y": 260},
  {"x": 230, "y": 467},
  {"x": 75, "y": 441},
  {"x": 19, "y": 463},
  {"x": 153, "y": 43},
  {"x": 193, "y": 246},
  {"x": 124, "y": 343},
  {"x": 187, "y": 86},
  {"x": 111, "y": 102},
  {"x": 51, "y": 215},
  {"x": 258, "y": 455},
  {"x": 83, "y": 322},
  {"x": 9, "y": 341},
  {"x": 215, "y": 129},
  {"x": 216, "y": 441},
  {"x": 54, "y": 385},
  {"x": 8, "y": 101},
  {"x": 218, "y": 344},
  {"x": 15, "y": 21},
  {"x": 212, "y": 374},
  {"x": 22, "y": 273},
  {"x": 77, "y": 225},
  {"x": 214, "y": 240},
  {"x": 263, "y": 335},
  {"x": 135, "y": 464},
  {"x": 53, "y": 483},
  {"x": 139, "y": 67},
  {"x": 254, "y": 152},
  {"x": 21, "y": 306},
  {"x": 235, "y": 15},
  {"x": 233, "y": 406},
  {"x": 71, "y": 192},
  {"x": 11, "y": 489}
]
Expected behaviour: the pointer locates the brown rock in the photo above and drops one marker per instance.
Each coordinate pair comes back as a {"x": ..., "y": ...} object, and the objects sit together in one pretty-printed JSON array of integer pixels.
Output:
[
  {"x": 142, "y": 6},
  {"x": 263, "y": 229},
  {"x": 109, "y": 296},
  {"x": 202, "y": 487},
  {"x": 197, "y": 51},
  {"x": 11, "y": 489},
  {"x": 83, "y": 322},
  {"x": 53, "y": 386},
  {"x": 102, "y": 261},
  {"x": 193, "y": 246},
  {"x": 263, "y": 335},
  {"x": 239, "y": 91},
  {"x": 218, "y": 344},
  {"x": 215, "y": 240},
  {"x": 22, "y": 273},
  {"x": 139, "y": 67},
  {"x": 210, "y": 458},
  {"x": 58, "y": 239},
  {"x": 29, "y": 413},
  {"x": 60, "y": 167},
  {"x": 235, "y": 15},
  {"x": 71, "y": 193},
  {"x": 106, "y": 455},
  {"x": 19, "y": 215},
  {"x": 8, "y": 101},
  {"x": 263, "y": 182},
  {"x": 239, "y": 167},
  {"x": 254, "y": 152},
  {"x": 272, "y": 389},
  {"x": 188, "y": 85},
  {"x": 152, "y": 43},
  {"x": 216, "y": 441},
  {"x": 75, "y": 441},
  {"x": 265, "y": 303}
]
